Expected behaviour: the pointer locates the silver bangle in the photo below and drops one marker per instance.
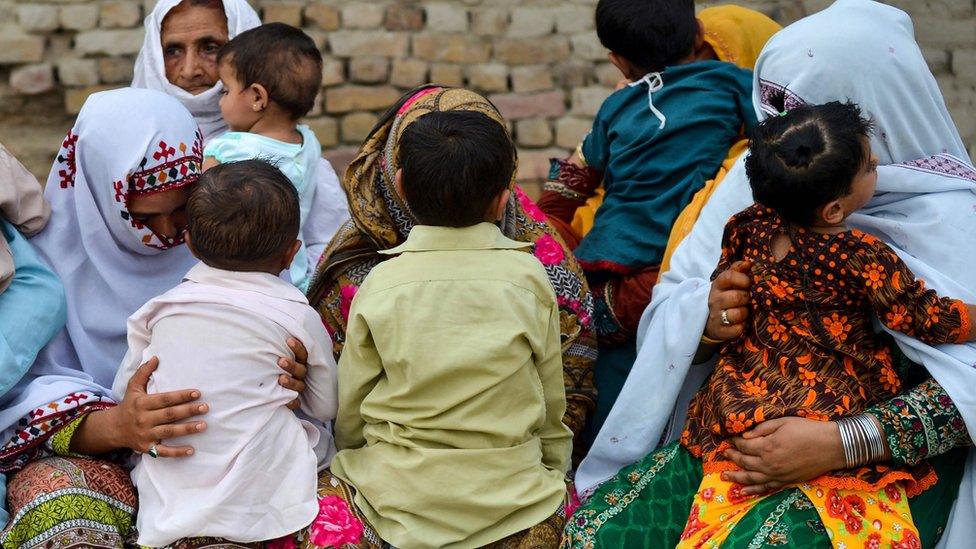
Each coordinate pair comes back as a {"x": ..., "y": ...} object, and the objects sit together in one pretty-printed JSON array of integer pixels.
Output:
[{"x": 862, "y": 440}]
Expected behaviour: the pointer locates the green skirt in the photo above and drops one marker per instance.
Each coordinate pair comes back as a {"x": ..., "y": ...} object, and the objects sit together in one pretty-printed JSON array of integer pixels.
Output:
[{"x": 647, "y": 505}]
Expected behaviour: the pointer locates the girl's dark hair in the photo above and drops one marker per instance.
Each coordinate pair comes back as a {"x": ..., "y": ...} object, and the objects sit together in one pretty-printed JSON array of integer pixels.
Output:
[
  {"x": 454, "y": 164},
  {"x": 281, "y": 58},
  {"x": 651, "y": 34},
  {"x": 807, "y": 157}
]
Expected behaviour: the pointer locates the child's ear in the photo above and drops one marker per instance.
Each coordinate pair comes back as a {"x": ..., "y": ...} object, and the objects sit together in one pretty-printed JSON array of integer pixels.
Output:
[
  {"x": 259, "y": 97},
  {"x": 625, "y": 67},
  {"x": 833, "y": 213},
  {"x": 189, "y": 243},
  {"x": 289, "y": 256},
  {"x": 498, "y": 207}
]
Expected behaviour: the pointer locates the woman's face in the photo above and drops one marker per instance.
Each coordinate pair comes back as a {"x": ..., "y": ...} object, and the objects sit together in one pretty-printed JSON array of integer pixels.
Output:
[
  {"x": 191, "y": 36},
  {"x": 164, "y": 213}
]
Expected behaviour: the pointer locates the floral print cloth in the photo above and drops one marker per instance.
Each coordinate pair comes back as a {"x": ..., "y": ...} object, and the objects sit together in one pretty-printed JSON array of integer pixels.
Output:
[
  {"x": 809, "y": 349},
  {"x": 921, "y": 423},
  {"x": 852, "y": 518}
]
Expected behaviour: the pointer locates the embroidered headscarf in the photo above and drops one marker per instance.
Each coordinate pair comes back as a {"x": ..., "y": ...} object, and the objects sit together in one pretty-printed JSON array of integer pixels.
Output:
[
  {"x": 381, "y": 220},
  {"x": 150, "y": 69},
  {"x": 855, "y": 50},
  {"x": 124, "y": 143}
]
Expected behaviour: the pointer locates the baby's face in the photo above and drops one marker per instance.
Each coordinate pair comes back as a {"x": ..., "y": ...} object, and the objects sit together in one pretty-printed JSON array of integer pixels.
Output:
[{"x": 237, "y": 103}]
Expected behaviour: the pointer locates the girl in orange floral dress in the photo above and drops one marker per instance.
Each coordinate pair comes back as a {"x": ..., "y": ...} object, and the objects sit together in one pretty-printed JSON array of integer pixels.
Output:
[{"x": 810, "y": 348}]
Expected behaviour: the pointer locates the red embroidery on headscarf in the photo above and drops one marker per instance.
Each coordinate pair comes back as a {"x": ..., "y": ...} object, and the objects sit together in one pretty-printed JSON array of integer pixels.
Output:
[
  {"x": 67, "y": 158},
  {"x": 164, "y": 152}
]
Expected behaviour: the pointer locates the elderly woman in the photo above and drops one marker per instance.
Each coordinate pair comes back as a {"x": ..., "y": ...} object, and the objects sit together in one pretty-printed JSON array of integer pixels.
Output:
[
  {"x": 179, "y": 58},
  {"x": 924, "y": 200},
  {"x": 381, "y": 221},
  {"x": 118, "y": 190}
]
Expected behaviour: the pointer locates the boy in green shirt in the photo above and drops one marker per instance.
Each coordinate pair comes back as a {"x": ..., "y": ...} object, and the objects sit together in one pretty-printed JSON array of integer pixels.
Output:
[{"x": 451, "y": 391}]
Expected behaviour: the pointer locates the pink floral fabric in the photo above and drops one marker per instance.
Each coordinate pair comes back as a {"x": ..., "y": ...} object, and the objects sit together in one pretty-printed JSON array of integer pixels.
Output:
[{"x": 549, "y": 251}]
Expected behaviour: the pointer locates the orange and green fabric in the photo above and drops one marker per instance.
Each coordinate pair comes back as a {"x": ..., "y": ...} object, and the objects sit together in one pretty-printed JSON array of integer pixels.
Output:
[
  {"x": 809, "y": 349},
  {"x": 851, "y": 518},
  {"x": 647, "y": 505}
]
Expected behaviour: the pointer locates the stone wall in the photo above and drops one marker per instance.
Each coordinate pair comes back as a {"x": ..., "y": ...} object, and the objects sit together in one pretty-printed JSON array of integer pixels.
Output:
[{"x": 538, "y": 60}]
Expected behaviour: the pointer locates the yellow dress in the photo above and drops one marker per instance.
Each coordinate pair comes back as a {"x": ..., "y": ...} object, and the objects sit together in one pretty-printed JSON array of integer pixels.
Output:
[{"x": 737, "y": 35}]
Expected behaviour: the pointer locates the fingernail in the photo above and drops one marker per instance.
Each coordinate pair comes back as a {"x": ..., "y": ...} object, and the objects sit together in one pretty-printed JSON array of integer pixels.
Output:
[
  {"x": 189, "y": 452},
  {"x": 282, "y": 362},
  {"x": 202, "y": 408},
  {"x": 200, "y": 426},
  {"x": 194, "y": 394}
]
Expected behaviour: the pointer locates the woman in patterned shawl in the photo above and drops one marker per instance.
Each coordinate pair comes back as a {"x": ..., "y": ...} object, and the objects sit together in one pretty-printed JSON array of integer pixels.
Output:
[{"x": 381, "y": 220}]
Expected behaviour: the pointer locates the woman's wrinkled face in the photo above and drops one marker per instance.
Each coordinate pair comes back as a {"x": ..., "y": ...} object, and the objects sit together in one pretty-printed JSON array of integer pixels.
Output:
[
  {"x": 191, "y": 36},
  {"x": 164, "y": 213}
]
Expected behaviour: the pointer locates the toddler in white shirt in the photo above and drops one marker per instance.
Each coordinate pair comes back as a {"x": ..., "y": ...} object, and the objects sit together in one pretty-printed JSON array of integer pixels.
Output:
[{"x": 253, "y": 474}]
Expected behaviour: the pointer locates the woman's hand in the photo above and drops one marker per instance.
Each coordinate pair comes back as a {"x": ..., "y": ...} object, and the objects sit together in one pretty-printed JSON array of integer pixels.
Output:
[
  {"x": 730, "y": 293},
  {"x": 142, "y": 420},
  {"x": 297, "y": 369},
  {"x": 785, "y": 451}
]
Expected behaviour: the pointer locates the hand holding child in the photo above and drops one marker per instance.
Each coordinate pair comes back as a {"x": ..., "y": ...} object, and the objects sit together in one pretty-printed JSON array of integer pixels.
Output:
[
  {"x": 296, "y": 371},
  {"x": 728, "y": 303},
  {"x": 784, "y": 451}
]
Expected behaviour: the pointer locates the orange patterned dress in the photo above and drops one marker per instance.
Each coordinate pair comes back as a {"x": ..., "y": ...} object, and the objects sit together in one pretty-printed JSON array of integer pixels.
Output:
[{"x": 809, "y": 349}]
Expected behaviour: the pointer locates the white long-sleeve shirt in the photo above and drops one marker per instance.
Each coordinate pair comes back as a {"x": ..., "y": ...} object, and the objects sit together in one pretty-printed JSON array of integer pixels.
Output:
[{"x": 253, "y": 474}]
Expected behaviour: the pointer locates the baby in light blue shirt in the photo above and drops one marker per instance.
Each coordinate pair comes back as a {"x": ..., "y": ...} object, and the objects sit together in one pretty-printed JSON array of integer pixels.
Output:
[{"x": 271, "y": 75}]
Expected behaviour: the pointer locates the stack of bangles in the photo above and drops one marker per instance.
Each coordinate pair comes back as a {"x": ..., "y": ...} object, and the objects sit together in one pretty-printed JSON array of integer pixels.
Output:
[{"x": 863, "y": 441}]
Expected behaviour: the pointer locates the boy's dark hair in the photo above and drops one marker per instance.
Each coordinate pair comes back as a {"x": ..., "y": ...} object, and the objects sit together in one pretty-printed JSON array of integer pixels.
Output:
[
  {"x": 651, "y": 34},
  {"x": 281, "y": 58},
  {"x": 454, "y": 164},
  {"x": 807, "y": 157},
  {"x": 242, "y": 215}
]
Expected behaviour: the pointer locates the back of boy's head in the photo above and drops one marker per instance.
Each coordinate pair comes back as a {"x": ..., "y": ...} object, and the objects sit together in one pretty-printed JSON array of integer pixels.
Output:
[
  {"x": 281, "y": 58},
  {"x": 651, "y": 34},
  {"x": 807, "y": 157},
  {"x": 243, "y": 216},
  {"x": 453, "y": 165}
]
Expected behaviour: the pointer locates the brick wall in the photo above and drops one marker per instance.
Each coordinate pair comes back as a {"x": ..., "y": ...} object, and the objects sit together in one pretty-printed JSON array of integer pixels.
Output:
[{"x": 538, "y": 60}]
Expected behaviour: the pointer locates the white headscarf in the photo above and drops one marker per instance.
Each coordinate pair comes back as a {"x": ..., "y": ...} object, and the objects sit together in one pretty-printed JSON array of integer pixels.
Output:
[
  {"x": 150, "y": 71},
  {"x": 124, "y": 142},
  {"x": 855, "y": 50}
]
